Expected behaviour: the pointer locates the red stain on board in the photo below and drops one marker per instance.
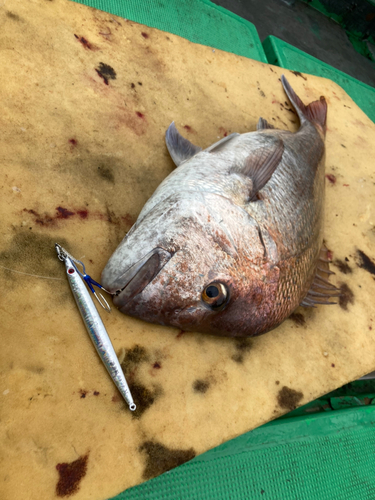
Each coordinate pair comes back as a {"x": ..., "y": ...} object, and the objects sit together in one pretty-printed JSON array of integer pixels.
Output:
[
  {"x": 96, "y": 393},
  {"x": 156, "y": 365},
  {"x": 141, "y": 115},
  {"x": 346, "y": 185},
  {"x": 105, "y": 79},
  {"x": 223, "y": 132},
  {"x": 82, "y": 393},
  {"x": 63, "y": 213},
  {"x": 85, "y": 43},
  {"x": 70, "y": 475},
  {"x": 40, "y": 219},
  {"x": 73, "y": 142},
  {"x": 180, "y": 334},
  {"x": 82, "y": 214},
  {"x": 128, "y": 219},
  {"x": 116, "y": 398},
  {"x": 329, "y": 254},
  {"x": 188, "y": 128},
  {"x": 331, "y": 178},
  {"x": 145, "y": 35}
]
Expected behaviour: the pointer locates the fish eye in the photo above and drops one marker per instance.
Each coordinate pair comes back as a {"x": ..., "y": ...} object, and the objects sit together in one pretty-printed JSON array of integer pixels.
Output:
[{"x": 215, "y": 295}]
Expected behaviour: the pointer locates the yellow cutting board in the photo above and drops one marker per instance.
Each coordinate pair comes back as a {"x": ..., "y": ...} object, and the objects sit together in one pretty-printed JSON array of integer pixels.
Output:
[{"x": 85, "y": 100}]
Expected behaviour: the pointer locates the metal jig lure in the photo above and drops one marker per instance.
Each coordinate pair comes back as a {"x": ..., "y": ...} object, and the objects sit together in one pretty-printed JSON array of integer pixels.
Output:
[{"x": 93, "y": 321}]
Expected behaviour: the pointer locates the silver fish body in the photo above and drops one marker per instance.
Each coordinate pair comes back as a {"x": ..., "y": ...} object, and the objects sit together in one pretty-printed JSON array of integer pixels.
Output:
[
  {"x": 230, "y": 243},
  {"x": 96, "y": 329}
]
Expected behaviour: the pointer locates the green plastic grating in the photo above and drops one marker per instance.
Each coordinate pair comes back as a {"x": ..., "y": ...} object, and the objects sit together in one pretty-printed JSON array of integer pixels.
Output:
[
  {"x": 325, "y": 456},
  {"x": 199, "y": 21},
  {"x": 286, "y": 56}
]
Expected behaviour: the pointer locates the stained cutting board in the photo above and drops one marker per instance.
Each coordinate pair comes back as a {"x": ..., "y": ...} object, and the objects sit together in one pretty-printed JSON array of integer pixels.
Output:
[{"x": 85, "y": 101}]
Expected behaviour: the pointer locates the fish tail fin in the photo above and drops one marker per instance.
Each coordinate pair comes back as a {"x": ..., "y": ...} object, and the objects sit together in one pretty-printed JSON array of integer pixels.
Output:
[
  {"x": 321, "y": 290},
  {"x": 315, "y": 112}
]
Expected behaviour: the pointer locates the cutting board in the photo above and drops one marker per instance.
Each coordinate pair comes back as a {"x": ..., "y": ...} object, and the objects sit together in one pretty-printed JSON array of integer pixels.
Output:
[{"x": 85, "y": 101}]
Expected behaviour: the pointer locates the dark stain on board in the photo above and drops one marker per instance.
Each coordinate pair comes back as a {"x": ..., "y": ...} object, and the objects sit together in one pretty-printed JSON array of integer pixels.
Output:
[
  {"x": 201, "y": 386},
  {"x": 70, "y": 476},
  {"x": 289, "y": 398},
  {"x": 82, "y": 393},
  {"x": 242, "y": 346},
  {"x": 13, "y": 16},
  {"x": 298, "y": 318},
  {"x": 143, "y": 397},
  {"x": 262, "y": 94},
  {"x": 161, "y": 459},
  {"x": 145, "y": 35},
  {"x": 106, "y": 72},
  {"x": 106, "y": 173},
  {"x": 297, "y": 73},
  {"x": 30, "y": 252},
  {"x": 343, "y": 266},
  {"x": 346, "y": 297},
  {"x": 136, "y": 355},
  {"x": 85, "y": 43},
  {"x": 365, "y": 262}
]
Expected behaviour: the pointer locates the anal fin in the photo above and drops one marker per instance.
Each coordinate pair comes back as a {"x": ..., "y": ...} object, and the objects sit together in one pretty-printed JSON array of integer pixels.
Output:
[{"x": 321, "y": 290}]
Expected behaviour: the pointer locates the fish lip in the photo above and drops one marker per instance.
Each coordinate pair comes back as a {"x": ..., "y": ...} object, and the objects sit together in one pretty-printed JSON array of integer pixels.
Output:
[{"x": 138, "y": 276}]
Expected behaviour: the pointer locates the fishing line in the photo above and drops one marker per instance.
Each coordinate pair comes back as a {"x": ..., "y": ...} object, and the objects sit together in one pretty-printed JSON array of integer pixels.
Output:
[{"x": 33, "y": 275}]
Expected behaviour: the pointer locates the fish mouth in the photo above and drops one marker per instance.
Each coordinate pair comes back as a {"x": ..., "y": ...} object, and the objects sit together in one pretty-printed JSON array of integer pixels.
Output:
[{"x": 138, "y": 276}]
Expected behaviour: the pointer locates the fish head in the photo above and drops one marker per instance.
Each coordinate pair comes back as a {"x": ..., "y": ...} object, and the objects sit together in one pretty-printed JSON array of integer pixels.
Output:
[{"x": 181, "y": 265}]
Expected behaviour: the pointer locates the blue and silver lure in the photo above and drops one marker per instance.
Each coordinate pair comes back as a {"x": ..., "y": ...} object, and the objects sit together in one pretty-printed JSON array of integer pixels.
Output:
[{"x": 93, "y": 321}]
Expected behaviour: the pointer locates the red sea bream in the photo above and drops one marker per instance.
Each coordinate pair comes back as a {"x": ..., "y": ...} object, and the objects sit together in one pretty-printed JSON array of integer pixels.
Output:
[{"x": 231, "y": 242}]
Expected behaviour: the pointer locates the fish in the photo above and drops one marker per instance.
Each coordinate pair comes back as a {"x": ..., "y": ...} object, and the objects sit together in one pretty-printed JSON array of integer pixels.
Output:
[{"x": 231, "y": 242}]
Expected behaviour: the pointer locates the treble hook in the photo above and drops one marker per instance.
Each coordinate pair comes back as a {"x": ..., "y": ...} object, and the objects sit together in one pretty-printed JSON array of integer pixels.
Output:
[{"x": 62, "y": 254}]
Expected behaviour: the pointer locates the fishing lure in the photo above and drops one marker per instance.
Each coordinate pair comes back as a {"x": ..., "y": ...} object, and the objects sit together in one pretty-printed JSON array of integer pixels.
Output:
[{"x": 93, "y": 321}]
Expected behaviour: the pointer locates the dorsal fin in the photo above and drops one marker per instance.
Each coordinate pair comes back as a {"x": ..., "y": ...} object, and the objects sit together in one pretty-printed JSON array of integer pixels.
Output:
[
  {"x": 263, "y": 124},
  {"x": 179, "y": 148},
  {"x": 261, "y": 164},
  {"x": 214, "y": 148},
  {"x": 315, "y": 112},
  {"x": 321, "y": 290}
]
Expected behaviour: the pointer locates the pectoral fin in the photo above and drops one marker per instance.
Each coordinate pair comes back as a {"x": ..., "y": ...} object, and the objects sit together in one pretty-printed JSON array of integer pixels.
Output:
[
  {"x": 179, "y": 148},
  {"x": 263, "y": 124},
  {"x": 262, "y": 163}
]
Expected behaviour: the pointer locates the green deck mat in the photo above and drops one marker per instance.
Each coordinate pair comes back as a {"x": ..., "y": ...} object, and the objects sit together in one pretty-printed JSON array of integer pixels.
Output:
[
  {"x": 326, "y": 456},
  {"x": 199, "y": 21},
  {"x": 286, "y": 56}
]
